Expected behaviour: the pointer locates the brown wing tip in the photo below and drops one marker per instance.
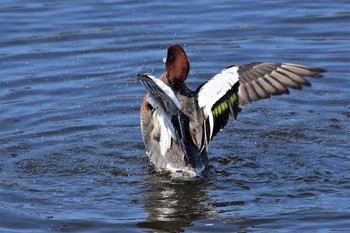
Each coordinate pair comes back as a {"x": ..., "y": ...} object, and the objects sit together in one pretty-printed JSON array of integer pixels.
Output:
[
  {"x": 317, "y": 72},
  {"x": 321, "y": 70},
  {"x": 314, "y": 72}
]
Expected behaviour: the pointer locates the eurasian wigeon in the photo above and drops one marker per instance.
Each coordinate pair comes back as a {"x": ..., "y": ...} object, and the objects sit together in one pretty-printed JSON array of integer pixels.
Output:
[{"x": 177, "y": 123}]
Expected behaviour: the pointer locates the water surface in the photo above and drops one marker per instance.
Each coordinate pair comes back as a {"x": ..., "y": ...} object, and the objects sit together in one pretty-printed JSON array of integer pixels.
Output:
[{"x": 71, "y": 154}]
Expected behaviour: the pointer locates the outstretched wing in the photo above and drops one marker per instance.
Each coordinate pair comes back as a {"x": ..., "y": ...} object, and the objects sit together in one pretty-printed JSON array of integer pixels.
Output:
[
  {"x": 260, "y": 80},
  {"x": 162, "y": 98},
  {"x": 160, "y": 93},
  {"x": 218, "y": 98},
  {"x": 238, "y": 85}
]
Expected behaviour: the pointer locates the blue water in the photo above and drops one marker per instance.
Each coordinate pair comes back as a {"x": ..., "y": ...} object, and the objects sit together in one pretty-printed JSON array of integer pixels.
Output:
[{"x": 71, "y": 154}]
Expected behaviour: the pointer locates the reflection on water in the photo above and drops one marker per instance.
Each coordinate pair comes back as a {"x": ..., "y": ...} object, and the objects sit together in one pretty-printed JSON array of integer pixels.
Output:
[{"x": 173, "y": 205}]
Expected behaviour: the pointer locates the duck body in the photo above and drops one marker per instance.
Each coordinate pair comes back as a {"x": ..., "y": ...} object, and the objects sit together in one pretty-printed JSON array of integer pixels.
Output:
[
  {"x": 183, "y": 152},
  {"x": 177, "y": 124}
]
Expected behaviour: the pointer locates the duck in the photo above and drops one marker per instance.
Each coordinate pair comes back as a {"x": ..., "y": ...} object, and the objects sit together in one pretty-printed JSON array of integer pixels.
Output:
[{"x": 178, "y": 124}]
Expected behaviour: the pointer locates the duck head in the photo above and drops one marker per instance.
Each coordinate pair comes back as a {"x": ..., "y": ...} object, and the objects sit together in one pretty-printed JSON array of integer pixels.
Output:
[{"x": 177, "y": 66}]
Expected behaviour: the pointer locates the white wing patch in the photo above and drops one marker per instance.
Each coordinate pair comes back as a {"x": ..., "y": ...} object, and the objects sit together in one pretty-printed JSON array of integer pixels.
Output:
[
  {"x": 214, "y": 90},
  {"x": 166, "y": 89},
  {"x": 167, "y": 130}
]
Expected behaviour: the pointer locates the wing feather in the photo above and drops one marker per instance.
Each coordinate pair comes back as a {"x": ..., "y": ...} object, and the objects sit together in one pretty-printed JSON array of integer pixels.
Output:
[
  {"x": 260, "y": 90},
  {"x": 303, "y": 70},
  {"x": 217, "y": 98},
  {"x": 299, "y": 79},
  {"x": 162, "y": 98},
  {"x": 266, "y": 84},
  {"x": 253, "y": 95},
  {"x": 238, "y": 85},
  {"x": 285, "y": 80},
  {"x": 158, "y": 89},
  {"x": 274, "y": 78}
]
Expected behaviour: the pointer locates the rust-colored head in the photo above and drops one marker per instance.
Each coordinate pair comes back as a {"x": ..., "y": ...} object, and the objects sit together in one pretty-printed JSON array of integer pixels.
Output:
[{"x": 177, "y": 66}]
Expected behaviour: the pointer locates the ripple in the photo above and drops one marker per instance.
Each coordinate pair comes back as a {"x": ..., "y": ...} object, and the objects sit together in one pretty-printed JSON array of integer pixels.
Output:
[{"x": 72, "y": 157}]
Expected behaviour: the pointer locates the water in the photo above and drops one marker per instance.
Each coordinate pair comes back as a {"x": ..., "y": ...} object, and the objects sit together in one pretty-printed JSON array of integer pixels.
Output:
[{"x": 72, "y": 157}]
